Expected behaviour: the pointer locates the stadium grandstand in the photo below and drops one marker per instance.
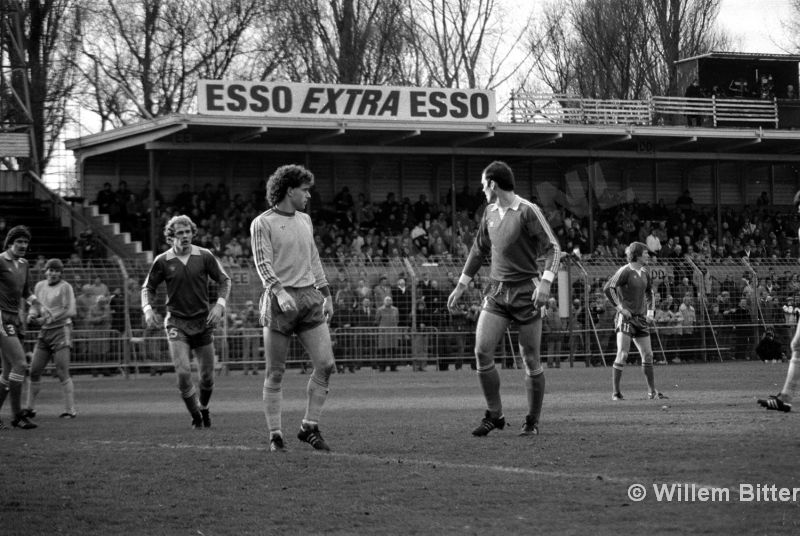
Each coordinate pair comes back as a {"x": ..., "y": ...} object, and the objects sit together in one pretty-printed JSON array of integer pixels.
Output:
[{"x": 397, "y": 197}]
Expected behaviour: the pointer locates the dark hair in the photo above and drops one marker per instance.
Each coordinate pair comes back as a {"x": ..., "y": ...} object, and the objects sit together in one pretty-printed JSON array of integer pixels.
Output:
[
  {"x": 285, "y": 177},
  {"x": 634, "y": 251},
  {"x": 54, "y": 264},
  {"x": 20, "y": 231},
  {"x": 501, "y": 174}
]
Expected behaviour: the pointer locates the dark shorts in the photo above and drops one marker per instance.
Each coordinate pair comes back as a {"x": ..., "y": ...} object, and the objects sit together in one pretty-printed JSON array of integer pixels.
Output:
[
  {"x": 53, "y": 340},
  {"x": 636, "y": 327},
  {"x": 195, "y": 331},
  {"x": 11, "y": 325},
  {"x": 309, "y": 312},
  {"x": 512, "y": 301}
]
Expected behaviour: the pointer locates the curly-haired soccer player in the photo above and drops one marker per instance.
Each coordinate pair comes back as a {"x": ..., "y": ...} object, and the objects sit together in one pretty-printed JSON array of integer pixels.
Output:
[
  {"x": 629, "y": 290},
  {"x": 190, "y": 321},
  {"x": 783, "y": 400},
  {"x": 54, "y": 316},
  {"x": 515, "y": 233},
  {"x": 296, "y": 299},
  {"x": 14, "y": 286}
]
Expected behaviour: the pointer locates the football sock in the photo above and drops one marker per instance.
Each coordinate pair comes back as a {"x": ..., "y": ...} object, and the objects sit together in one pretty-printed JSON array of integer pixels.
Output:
[
  {"x": 272, "y": 396},
  {"x": 190, "y": 399},
  {"x": 3, "y": 391},
  {"x": 534, "y": 386},
  {"x": 792, "y": 374},
  {"x": 34, "y": 387},
  {"x": 316, "y": 393},
  {"x": 615, "y": 379},
  {"x": 69, "y": 395},
  {"x": 647, "y": 368},
  {"x": 15, "y": 390},
  {"x": 205, "y": 395},
  {"x": 490, "y": 384}
]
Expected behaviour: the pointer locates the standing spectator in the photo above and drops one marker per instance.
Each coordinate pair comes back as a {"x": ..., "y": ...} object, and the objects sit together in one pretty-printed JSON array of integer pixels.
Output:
[
  {"x": 381, "y": 290},
  {"x": 387, "y": 318},
  {"x": 516, "y": 233},
  {"x": 688, "y": 317},
  {"x": 54, "y": 316},
  {"x": 694, "y": 91},
  {"x": 296, "y": 301},
  {"x": 99, "y": 322},
  {"x": 742, "y": 328},
  {"x": 186, "y": 270},
  {"x": 630, "y": 291},
  {"x": 401, "y": 298},
  {"x": 653, "y": 242},
  {"x": 105, "y": 198}
]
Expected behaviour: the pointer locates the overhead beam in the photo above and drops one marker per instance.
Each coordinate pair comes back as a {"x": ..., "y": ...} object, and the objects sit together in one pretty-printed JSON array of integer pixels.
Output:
[
  {"x": 473, "y": 139},
  {"x": 401, "y": 137},
  {"x": 325, "y": 135},
  {"x": 470, "y": 151},
  {"x": 739, "y": 145},
  {"x": 543, "y": 140},
  {"x": 610, "y": 141},
  {"x": 676, "y": 143},
  {"x": 246, "y": 135}
]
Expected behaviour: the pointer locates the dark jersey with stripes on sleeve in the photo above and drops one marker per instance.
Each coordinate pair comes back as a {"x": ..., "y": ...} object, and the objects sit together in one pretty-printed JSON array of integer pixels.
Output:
[{"x": 14, "y": 282}]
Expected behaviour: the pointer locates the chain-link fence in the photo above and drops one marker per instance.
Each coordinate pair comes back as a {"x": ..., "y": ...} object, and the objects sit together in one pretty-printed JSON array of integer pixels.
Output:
[{"x": 706, "y": 311}]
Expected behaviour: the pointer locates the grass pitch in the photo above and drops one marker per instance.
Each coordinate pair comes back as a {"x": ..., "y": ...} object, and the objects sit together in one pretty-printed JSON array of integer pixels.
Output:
[{"x": 403, "y": 459}]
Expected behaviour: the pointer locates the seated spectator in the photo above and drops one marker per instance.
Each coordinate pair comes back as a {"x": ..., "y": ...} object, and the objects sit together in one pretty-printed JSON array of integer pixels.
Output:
[{"x": 769, "y": 349}]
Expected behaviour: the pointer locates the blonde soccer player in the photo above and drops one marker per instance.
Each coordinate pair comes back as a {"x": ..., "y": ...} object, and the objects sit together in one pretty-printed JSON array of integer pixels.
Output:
[{"x": 53, "y": 315}]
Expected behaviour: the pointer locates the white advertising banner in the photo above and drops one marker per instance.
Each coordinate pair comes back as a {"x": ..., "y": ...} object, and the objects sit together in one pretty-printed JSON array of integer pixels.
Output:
[{"x": 340, "y": 101}]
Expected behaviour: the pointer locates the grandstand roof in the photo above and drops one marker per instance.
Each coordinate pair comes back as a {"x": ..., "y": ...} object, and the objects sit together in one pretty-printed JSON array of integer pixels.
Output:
[
  {"x": 195, "y": 132},
  {"x": 743, "y": 56}
]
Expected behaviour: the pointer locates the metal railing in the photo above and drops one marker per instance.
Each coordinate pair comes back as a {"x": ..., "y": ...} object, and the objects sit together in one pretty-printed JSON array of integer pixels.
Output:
[{"x": 570, "y": 109}]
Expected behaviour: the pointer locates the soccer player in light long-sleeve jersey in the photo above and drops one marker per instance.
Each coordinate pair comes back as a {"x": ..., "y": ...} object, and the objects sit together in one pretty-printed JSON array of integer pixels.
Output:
[
  {"x": 54, "y": 315},
  {"x": 515, "y": 233},
  {"x": 783, "y": 400},
  {"x": 296, "y": 299},
  {"x": 14, "y": 287},
  {"x": 189, "y": 322},
  {"x": 628, "y": 290}
]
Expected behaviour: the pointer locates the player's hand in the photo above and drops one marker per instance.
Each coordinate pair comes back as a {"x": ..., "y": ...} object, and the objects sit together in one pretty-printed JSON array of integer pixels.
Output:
[
  {"x": 151, "y": 319},
  {"x": 625, "y": 314},
  {"x": 286, "y": 302},
  {"x": 541, "y": 293},
  {"x": 215, "y": 315},
  {"x": 33, "y": 320},
  {"x": 327, "y": 308},
  {"x": 651, "y": 316},
  {"x": 452, "y": 300}
]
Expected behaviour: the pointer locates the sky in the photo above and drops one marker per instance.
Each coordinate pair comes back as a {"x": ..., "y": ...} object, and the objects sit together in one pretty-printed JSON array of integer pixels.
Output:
[{"x": 756, "y": 25}]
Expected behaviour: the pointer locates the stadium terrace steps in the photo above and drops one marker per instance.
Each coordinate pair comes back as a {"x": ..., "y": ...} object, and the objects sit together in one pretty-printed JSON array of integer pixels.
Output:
[
  {"x": 122, "y": 243},
  {"x": 49, "y": 237}
]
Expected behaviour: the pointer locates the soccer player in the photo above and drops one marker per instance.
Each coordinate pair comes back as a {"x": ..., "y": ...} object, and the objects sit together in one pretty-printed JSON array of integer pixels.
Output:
[
  {"x": 189, "y": 323},
  {"x": 296, "y": 299},
  {"x": 783, "y": 400},
  {"x": 14, "y": 286},
  {"x": 515, "y": 233},
  {"x": 628, "y": 290},
  {"x": 54, "y": 316}
]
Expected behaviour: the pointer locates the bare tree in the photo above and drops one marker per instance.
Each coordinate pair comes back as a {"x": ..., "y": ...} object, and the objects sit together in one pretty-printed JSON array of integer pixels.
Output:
[
  {"x": 465, "y": 43},
  {"x": 45, "y": 54},
  {"x": 343, "y": 41},
  {"x": 621, "y": 48},
  {"x": 142, "y": 58}
]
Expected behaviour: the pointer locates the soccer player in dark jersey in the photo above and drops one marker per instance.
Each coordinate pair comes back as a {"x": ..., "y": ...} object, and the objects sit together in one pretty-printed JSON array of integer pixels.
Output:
[
  {"x": 515, "y": 233},
  {"x": 629, "y": 290},
  {"x": 296, "y": 299},
  {"x": 14, "y": 287},
  {"x": 190, "y": 321},
  {"x": 53, "y": 315},
  {"x": 783, "y": 400}
]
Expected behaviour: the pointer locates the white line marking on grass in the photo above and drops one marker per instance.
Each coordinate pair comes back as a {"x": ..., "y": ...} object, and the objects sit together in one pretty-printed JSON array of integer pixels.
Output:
[{"x": 372, "y": 458}]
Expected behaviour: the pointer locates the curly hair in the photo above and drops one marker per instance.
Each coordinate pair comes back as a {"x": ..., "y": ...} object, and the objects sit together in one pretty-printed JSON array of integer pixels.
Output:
[
  {"x": 285, "y": 177},
  {"x": 20, "y": 231},
  {"x": 169, "y": 228},
  {"x": 634, "y": 251}
]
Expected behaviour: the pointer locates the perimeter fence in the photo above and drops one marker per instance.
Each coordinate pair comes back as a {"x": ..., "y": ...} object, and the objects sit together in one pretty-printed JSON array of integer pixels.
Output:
[{"x": 712, "y": 311}]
